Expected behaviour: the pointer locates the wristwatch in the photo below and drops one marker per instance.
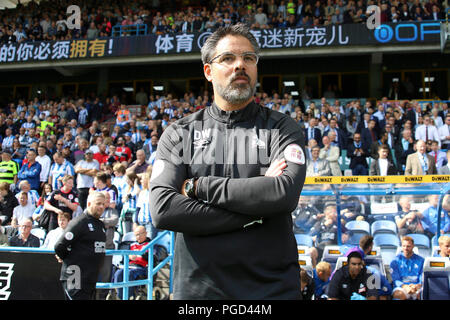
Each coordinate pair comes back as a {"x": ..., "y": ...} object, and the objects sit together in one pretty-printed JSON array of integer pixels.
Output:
[{"x": 189, "y": 188}]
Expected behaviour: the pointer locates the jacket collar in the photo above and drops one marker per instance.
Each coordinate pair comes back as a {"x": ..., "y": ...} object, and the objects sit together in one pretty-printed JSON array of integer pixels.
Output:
[{"x": 244, "y": 114}]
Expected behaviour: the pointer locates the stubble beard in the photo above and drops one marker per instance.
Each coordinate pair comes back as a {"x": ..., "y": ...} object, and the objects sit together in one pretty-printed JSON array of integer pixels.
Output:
[{"x": 236, "y": 93}]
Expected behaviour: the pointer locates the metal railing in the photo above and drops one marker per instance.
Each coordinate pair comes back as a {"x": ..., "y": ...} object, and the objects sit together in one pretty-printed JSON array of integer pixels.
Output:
[
  {"x": 126, "y": 283},
  {"x": 131, "y": 30}
]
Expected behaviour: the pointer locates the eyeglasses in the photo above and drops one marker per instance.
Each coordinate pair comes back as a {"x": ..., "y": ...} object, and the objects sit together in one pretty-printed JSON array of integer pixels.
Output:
[{"x": 229, "y": 58}]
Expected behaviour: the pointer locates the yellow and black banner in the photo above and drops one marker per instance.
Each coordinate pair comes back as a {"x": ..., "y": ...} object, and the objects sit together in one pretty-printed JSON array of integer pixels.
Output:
[{"x": 378, "y": 179}]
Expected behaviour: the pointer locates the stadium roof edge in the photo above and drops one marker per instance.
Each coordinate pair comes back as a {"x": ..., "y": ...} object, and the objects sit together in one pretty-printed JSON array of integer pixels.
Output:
[{"x": 193, "y": 57}]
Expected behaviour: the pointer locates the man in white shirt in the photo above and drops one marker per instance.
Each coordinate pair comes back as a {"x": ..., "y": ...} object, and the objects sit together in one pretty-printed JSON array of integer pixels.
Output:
[
  {"x": 427, "y": 131},
  {"x": 440, "y": 157},
  {"x": 86, "y": 170},
  {"x": 382, "y": 166},
  {"x": 23, "y": 211},
  {"x": 45, "y": 162},
  {"x": 444, "y": 133}
]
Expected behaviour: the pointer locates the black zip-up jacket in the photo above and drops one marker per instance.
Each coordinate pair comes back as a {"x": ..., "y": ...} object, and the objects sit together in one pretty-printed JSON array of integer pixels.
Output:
[
  {"x": 218, "y": 255},
  {"x": 82, "y": 245}
]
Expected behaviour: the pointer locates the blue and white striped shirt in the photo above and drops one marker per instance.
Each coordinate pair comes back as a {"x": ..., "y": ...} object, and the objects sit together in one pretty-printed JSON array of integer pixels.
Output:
[
  {"x": 7, "y": 142},
  {"x": 60, "y": 170},
  {"x": 143, "y": 217}
]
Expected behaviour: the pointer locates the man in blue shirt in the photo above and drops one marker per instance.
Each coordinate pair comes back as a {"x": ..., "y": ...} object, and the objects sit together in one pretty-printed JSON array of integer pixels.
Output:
[
  {"x": 430, "y": 215},
  {"x": 31, "y": 171},
  {"x": 406, "y": 272}
]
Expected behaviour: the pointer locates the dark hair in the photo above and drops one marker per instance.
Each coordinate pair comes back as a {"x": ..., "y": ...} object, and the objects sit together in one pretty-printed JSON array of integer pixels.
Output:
[
  {"x": 354, "y": 254},
  {"x": 239, "y": 29},
  {"x": 365, "y": 242}
]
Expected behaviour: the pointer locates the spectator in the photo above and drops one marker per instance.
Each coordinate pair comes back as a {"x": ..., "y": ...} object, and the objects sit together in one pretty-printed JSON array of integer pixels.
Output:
[
  {"x": 403, "y": 149},
  {"x": 315, "y": 166},
  {"x": 440, "y": 157},
  {"x": 101, "y": 184},
  {"x": 340, "y": 139},
  {"x": 86, "y": 170},
  {"x": 430, "y": 215},
  {"x": 446, "y": 168},
  {"x": 444, "y": 133},
  {"x": 59, "y": 169},
  {"x": 143, "y": 217},
  {"x": 305, "y": 216},
  {"x": 350, "y": 280},
  {"x": 25, "y": 238},
  {"x": 62, "y": 200},
  {"x": 110, "y": 219},
  {"x": 407, "y": 220},
  {"x": 407, "y": 268},
  {"x": 45, "y": 162},
  {"x": 52, "y": 237},
  {"x": 384, "y": 136},
  {"x": 31, "y": 171},
  {"x": 420, "y": 163},
  {"x": 358, "y": 152},
  {"x": 325, "y": 232},
  {"x": 369, "y": 135},
  {"x": 139, "y": 262},
  {"x": 122, "y": 151},
  {"x": 8, "y": 169},
  {"x": 312, "y": 132},
  {"x": 382, "y": 166},
  {"x": 46, "y": 191},
  {"x": 331, "y": 154},
  {"x": 33, "y": 195},
  {"x": 444, "y": 247},
  {"x": 427, "y": 131},
  {"x": 321, "y": 275},
  {"x": 7, "y": 203}
]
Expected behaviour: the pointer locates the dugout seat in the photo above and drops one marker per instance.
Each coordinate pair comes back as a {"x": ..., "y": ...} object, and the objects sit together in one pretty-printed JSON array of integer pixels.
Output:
[
  {"x": 436, "y": 279},
  {"x": 305, "y": 262},
  {"x": 303, "y": 250},
  {"x": 331, "y": 255},
  {"x": 374, "y": 259},
  {"x": 304, "y": 240}
]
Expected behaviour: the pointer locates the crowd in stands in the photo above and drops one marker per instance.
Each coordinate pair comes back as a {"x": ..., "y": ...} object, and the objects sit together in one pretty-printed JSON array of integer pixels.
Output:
[{"x": 48, "y": 19}]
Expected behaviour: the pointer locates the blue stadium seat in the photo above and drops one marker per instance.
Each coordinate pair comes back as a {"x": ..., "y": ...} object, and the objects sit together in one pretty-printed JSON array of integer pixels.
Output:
[
  {"x": 436, "y": 279},
  {"x": 361, "y": 227},
  {"x": 422, "y": 242},
  {"x": 388, "y": 244},
  {"x": 304, "y": 240},
  {"x": 383, "y": 227},
  {"x": 354, "y": 239}
]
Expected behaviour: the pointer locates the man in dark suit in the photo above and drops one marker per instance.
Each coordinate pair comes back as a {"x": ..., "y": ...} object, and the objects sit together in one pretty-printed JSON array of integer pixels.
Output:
[
  {"x": 358, "y": 152},
  {"x": 369, "y": 135},
  {"x": 382, "y": 141},
  {"x": 403, "y": 148},
  {"x": 382, "y": 166},
  {"x": 312, "y": 132},
  {"x": 413, "y": 114},
  {"x": 340, "y": 139}
]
